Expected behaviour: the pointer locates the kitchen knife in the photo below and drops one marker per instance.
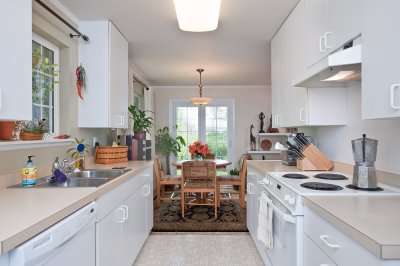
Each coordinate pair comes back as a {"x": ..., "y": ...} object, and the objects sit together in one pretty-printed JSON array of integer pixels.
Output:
[
  {"x": 299, "y": 143},
  {"x": 292, "y": 147},
  {"x": 297, "y": 154},
  {"x": 303, "y": 138}
]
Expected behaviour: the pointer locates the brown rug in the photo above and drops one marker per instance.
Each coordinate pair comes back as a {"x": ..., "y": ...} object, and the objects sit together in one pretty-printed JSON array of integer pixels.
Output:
[{"x": 231, "y": 218}]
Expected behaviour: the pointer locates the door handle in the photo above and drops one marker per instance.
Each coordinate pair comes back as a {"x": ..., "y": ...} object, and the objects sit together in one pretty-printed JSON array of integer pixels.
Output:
[
  {"x": 302, "y": 110},
  {"x": 324, "y": 239},
  {"x": 126, "y": 212},
  {"x": 326, "y": 40},
  {"x": 392, "y": 88},
  {"x": 148, "y": 190},
  {"x": 121, "y": 214}
]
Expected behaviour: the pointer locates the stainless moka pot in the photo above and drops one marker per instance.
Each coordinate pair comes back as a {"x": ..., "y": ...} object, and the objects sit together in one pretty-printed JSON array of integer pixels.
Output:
[{"x": 364, "y": 153}]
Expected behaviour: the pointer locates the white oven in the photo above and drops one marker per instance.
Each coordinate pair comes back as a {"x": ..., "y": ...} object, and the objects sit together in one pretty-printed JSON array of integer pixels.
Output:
[{"x": 287, "y": 235}]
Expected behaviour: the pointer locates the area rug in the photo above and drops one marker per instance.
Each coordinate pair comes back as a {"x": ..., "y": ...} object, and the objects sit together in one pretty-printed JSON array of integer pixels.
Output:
[{"x": 231, "y": 218}]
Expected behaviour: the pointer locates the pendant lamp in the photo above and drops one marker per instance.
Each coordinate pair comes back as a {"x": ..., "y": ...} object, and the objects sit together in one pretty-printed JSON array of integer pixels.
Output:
[{"x": 200, "y": 100}]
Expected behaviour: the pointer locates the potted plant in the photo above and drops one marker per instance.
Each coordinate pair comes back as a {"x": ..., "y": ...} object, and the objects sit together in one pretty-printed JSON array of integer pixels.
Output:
[
  {"x": 166, "y": 144},
  {"x": 33, "y": 130},
  {"x": 141, "y": 122},
  {"x": 7, "y": 130}
]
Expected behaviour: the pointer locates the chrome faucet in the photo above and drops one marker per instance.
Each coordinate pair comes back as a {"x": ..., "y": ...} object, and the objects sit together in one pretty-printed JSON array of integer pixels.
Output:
[{"x": 64, "y": 167}]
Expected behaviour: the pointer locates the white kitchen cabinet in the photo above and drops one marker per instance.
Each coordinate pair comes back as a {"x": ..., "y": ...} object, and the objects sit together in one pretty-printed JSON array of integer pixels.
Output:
[
  {"x": 297, "y": 106},
  {"x": 105, "y": 59},
  {"x": 329, "y": 25},
  {"x": 16, "y": 60},
  {"x": 380, "y": 59},
  {"x": 123, "y": 222},
  {"x": 338, "y": 247},
  {"x": 313, "y": 255}
]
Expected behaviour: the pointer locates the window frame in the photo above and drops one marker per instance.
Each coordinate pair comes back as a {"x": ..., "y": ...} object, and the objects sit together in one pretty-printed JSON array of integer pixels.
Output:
[{"x": 56, "y": 103}]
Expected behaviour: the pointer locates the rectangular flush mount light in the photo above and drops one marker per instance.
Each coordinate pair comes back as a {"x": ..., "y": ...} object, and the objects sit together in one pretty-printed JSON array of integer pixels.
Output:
[{"x": 197, "y": 15}]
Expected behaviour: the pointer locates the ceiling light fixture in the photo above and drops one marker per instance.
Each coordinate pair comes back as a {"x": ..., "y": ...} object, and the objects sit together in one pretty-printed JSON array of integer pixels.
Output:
[
  {"x": 197, "y": 15},
  {"x": 200, "y": 100}
]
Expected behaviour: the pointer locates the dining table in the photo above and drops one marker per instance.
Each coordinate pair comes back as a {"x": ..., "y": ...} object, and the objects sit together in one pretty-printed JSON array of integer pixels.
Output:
[{"x": 218, "y": 163}]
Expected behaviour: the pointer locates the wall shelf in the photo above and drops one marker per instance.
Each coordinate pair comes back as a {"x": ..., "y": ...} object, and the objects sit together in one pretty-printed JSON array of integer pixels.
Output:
[
  {"x": 273, "y": 134},
  {"x": 20, "y": 144}
]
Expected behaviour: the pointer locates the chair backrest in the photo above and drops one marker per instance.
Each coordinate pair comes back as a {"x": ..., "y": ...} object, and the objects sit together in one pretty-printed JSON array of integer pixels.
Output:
[
  {"x": 198, "y": 170},
  {"x": 157, "y": 168},
  {"x": 243, "y": 167}
]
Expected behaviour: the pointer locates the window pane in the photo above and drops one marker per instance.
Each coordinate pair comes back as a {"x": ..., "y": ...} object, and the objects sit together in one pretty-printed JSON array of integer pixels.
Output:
[
  {"x": 222, "y": 125},
  {"x": 211, "y": 112},
  {"x": 181, "y": 118},
  {"x": 193, "y": 119},
  {"x": 36, "y": 113},
  {"x": 222, "y": 112}
]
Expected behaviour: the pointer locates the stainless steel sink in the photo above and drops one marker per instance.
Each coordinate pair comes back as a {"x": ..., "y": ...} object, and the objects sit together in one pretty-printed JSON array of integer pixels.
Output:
[{"x": 85, "y": 178}]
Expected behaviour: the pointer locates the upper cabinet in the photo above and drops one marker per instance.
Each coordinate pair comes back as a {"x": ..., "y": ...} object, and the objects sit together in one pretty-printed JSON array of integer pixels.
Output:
[
  {"x": 380, "y": 59},
  {"x": 16, "y": 60},
  {"x": 329, "y": 25},
  {"x": 105, "y": 59},
  {"x": 297, "y": 106}
]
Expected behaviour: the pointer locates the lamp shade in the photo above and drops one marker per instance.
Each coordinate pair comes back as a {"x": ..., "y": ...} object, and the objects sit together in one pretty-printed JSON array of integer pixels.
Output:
[
  {"x": 200, "y": 100},
  {"x": 197, "y": 15}
]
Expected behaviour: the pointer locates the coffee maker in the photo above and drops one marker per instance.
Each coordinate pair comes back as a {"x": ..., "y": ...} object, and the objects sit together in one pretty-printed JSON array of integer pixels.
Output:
[{"x": 364, "y": 153}]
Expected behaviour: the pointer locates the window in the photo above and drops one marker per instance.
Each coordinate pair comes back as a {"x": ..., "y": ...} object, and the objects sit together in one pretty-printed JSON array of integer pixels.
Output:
[
  {"x": 45, "y": 98},
  {"x": 212, "y": 124}
]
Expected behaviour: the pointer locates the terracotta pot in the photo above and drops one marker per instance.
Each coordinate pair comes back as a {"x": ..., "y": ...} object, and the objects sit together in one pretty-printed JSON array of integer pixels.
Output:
[
  {"x": 139, "y": 135},
  {"x": 6, "y": 130},
  {"x": 30, "y": 136}
]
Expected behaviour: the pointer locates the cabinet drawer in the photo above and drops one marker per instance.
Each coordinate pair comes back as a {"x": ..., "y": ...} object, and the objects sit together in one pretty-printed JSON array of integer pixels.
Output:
[
  {"x": 338, "y": 246},
  {"x": 313, "y": 255}
]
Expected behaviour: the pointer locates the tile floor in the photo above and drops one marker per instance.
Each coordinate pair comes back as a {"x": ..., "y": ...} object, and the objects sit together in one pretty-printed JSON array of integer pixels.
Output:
[{"x": 174, "y": 249}]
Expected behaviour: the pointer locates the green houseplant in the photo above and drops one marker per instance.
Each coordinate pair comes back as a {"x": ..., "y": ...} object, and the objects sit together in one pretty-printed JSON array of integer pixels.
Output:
[
  {"x": 33, "y": 130},
  {"x": 141, "y": 122},
  {"x": 166, "y": 144}
]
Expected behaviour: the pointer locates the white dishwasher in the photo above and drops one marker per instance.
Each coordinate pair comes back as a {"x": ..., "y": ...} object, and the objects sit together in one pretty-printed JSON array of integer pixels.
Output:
[{"x": 69, "y": 242}]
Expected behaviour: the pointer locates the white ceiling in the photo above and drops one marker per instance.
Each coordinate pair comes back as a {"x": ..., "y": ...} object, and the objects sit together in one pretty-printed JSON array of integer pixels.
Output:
[{"x": 237, "y": 53}]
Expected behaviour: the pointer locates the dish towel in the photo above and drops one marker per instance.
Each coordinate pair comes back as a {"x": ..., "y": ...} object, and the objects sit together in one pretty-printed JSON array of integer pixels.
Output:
[{"x": 264, "y": 228}]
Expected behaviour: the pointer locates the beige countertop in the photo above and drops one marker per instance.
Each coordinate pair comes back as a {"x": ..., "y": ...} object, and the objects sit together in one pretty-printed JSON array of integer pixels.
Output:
[
  {"x": 26, "y": 212},
  {"x": 263, "y": 166},
  {"x": 371, "y": 221}
]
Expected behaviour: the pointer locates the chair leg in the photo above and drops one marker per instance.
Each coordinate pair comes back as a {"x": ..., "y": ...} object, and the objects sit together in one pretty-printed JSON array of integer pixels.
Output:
[
  {"x": 158, "y": 196},
  {"x": 242, "y": 196},
  {"x": 183, "y": 204}
]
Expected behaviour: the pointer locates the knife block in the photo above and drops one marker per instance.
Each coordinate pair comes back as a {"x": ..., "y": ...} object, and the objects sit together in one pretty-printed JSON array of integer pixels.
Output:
[{"x": 314, "y": 160}]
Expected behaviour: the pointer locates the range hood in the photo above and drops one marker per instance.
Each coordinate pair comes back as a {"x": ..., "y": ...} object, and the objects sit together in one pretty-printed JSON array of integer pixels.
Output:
[{"x": 335, "y": 70}]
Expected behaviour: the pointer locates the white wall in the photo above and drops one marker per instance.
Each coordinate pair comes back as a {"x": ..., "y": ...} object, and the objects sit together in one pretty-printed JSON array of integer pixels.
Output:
[
  {"x": 249, "y": 102},
  {"x": 336, "y": 141}
]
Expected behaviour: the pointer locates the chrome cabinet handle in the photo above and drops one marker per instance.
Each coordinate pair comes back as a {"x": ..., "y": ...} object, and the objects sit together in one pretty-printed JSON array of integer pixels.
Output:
[
  {"x": 324, "y": 239},
  {"x": 302, "y": 110},
  {"x": 126, "y": 212},
  {"x": 326, "y": 39},
  {"x": 249, "y": 188},
  {"x": 392, "y": 88}
]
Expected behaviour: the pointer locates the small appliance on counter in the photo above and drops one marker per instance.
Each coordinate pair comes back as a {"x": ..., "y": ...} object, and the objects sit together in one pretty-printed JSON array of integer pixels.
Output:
[{"x": 364, "y": 153}]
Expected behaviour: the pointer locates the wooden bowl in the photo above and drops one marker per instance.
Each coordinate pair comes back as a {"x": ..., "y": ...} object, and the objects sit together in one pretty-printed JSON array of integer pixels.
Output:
[{"x": 265, "y": 145}]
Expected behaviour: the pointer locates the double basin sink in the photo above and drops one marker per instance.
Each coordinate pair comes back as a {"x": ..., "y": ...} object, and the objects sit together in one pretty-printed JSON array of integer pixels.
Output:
[{"x": 84, "y": 178}]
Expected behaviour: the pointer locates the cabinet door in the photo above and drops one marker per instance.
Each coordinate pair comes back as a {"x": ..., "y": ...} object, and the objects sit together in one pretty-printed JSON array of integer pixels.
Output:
[
  {"x": 295, "y": 109},
  {"x": 249, "y": 202},
  {"x": 381, "y": 57},
  {"x": 134, "y": 231},
  {"x": 93, "y": 55},
  {"x": 316, "y": 26},
  {"x": 344, "y": 22},
  {"x": 276, "y": 77},
  {"x": 16, "y": 60},
  {"x": 313, "y": 255},
  {"x": 149, "y": 205},
  {"x": 109, "y": 239},
  {"x": 118, "y": 50}
]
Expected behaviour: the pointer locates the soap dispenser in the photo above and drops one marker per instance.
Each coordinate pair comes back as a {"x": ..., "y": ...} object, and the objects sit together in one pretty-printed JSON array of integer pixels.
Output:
[{"x": 29, "y": 173}]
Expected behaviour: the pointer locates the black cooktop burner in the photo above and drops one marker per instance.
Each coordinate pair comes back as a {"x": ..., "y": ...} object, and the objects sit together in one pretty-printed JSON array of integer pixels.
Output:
[
  {"x": 364, "y": 189},
  {"x": 295, "y": 176},
  {"x": 330, "y": 176},
  {"x": 320, "y": 186}
]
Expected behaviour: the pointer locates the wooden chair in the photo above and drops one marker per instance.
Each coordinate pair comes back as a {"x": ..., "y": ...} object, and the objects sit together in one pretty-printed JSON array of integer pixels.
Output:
[
  {"x": 198, "y": 177},
  {"x": 161, "y": 181},
  {"x": 234, "y": 180}
]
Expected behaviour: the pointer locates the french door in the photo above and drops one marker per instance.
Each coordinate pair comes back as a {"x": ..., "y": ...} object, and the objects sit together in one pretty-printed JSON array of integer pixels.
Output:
[{"x": 212, "y": 124}]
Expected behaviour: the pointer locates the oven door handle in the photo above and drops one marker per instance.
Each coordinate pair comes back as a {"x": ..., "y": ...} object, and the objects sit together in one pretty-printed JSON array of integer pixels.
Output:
[{"x": 287, "y": 217}]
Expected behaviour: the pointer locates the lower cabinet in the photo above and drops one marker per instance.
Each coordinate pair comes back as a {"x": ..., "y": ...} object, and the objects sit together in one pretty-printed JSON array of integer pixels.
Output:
[
  {"x": 121, "y": 232},
  {"x": 324, "y": 244}
]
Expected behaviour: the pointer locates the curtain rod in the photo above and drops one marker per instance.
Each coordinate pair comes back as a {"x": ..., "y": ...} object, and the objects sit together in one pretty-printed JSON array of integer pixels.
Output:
[
  {"x": 78, "y": 33},
  {"x": 138, "y": 81}
]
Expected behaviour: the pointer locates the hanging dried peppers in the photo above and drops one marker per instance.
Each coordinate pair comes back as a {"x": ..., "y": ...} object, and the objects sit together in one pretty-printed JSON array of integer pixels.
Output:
[{"x": 80, "y": 80}]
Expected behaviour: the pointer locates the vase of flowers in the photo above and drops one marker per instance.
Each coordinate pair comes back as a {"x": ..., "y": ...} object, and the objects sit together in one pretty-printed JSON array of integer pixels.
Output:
[{"x": 198, "y": 150}]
